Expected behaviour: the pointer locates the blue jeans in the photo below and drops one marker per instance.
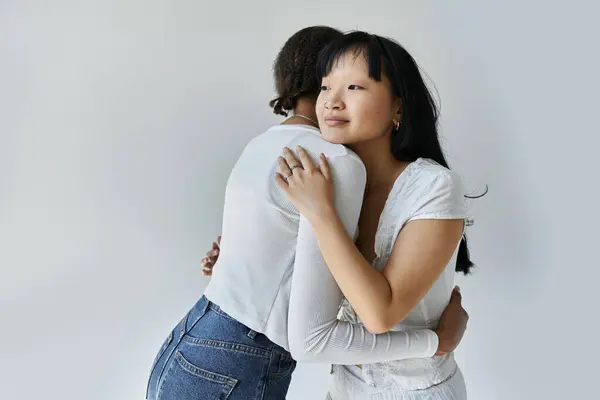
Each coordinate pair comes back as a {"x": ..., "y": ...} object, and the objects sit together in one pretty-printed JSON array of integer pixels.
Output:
[{"x": 209, "y": 355}]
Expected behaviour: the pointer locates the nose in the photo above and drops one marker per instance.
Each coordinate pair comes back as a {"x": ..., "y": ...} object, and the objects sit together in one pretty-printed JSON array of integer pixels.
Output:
[{"x": 334, "y": 101}]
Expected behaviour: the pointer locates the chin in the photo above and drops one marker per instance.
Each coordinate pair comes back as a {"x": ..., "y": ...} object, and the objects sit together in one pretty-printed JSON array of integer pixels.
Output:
[{"x": 334, "y": 137}]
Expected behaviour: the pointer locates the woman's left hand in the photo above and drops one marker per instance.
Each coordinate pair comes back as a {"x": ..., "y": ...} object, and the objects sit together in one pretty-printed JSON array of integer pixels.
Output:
[{"x": 309, "y": 187}]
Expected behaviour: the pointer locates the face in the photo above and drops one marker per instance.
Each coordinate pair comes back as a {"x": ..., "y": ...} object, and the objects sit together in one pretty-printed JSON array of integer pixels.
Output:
[{"x": 354, "y": 108}]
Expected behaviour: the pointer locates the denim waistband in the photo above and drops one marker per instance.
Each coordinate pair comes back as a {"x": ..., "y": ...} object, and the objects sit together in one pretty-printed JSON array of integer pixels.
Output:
[{"x": 259, "y": 337}]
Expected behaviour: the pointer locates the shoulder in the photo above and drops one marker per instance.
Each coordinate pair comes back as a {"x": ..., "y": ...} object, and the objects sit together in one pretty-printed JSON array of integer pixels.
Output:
[
  {"x": 344, "y": 163},
  {"x": 430, "y": 189},
  {"x": 347, "y": 168},
  {"x": 343, "y": 155},
  {"x": 426, "y": 176},
  {"x": 309, "y": 138},
  {"x": 342, "y": 160}
]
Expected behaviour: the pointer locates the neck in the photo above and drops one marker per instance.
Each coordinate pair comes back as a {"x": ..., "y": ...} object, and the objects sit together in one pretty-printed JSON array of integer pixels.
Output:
[
  {"x": 306, "y": 106},
  {"x": 381, "y": 165}
]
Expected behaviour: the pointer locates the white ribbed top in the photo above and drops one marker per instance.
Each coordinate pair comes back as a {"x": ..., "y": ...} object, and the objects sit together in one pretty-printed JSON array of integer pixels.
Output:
[{"x": 270, "y": 274}]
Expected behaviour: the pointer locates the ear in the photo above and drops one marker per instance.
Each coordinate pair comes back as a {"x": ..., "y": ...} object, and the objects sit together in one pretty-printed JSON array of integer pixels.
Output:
[{"x": 397, "y": 109}]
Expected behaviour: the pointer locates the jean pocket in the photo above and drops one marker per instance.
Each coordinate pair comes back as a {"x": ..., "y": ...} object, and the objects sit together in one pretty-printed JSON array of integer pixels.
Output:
[{"x": 186, "y": 381}]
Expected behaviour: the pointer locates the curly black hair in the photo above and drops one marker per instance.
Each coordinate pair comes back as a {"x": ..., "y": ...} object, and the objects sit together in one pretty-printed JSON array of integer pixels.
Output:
[{"x": 295, "y": 68}]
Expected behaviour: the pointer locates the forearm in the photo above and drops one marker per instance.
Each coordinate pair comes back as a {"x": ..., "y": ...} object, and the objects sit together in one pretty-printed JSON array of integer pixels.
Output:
[
  {"x": 314, "y": 331},
  {"x": 366, "y": 289},
  {"x": 341, "y": 342}
]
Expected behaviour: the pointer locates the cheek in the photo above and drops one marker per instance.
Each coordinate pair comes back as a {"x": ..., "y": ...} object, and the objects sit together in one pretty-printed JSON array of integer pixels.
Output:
[
  {"x": 319, "y": 107},
  {"x": 373, "y": 116},
  {"x": 320, "y": 99}
]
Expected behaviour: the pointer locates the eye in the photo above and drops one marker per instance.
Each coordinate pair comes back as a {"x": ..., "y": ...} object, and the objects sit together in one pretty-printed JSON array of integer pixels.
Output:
[
  {"x": 323, "y": 88},
  {"x": 355, "y": 87}
]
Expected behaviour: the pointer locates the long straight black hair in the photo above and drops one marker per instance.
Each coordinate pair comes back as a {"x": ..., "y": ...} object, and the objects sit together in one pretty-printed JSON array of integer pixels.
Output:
[{"x": 417, "y": 135}]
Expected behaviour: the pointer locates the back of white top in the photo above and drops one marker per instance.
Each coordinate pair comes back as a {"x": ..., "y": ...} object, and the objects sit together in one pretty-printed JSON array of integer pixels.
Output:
[
  {"x": 271, "y": 275},
  {"x": 252, "y": 278}
]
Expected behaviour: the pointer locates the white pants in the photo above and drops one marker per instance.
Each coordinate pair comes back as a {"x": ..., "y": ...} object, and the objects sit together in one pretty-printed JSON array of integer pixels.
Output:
[{"x": 348, "y": 384}]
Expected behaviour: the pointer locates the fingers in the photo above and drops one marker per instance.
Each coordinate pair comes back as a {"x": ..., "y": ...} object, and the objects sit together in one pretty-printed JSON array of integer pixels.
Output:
[
  {"x": 282, "y": 182},
  {"x": 291, "y": 159},
  {"x": 213, "y": 254},
  {"x": 456, "y": 295},
  {"x": 207, "y": 267},
  {"x": 457, "y": 299},
  {"x": 324, "y": 166},
  {"x": 289, "y": 165},
  {"x": 284, "y": 169},
  {"x": 211, "y": 258},
  {"x": 209, "y": 262},
  {"x": 307, "y": 162}
]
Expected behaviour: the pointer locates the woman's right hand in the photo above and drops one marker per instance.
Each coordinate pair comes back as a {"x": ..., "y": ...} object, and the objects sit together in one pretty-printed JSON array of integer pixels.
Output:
[
  {"x": 211, "y": 258},
  {"x": 453, "y": 324}
]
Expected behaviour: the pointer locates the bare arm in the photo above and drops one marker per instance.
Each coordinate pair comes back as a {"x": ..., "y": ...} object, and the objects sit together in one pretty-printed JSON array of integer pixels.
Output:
[
  {"x": 421, "y": 251},
  {"x": 314, "y": 332},
  {"x": 383, "y": 299}
]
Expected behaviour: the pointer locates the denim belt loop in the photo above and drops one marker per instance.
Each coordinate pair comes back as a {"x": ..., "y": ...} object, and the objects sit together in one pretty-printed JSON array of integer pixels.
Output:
[{"x": 206, "y": 304}]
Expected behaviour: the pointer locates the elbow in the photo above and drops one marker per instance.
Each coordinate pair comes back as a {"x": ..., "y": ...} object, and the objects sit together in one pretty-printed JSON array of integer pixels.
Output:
[
  {"x": 384, "y": 320},
  {"x": 301, "y": 352},
  {"x": 307, "y": 345},
  {"x": 380, "y": 324},
  {"x": 378, "y": 328}
]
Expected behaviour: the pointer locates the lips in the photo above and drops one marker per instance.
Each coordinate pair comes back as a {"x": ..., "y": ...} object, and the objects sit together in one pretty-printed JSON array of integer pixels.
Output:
[{"x": 335, "y": 121}]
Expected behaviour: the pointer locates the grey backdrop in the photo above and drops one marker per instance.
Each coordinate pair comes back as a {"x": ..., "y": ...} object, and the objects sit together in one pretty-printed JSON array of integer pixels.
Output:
[{"x": 120, "y": 121}]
